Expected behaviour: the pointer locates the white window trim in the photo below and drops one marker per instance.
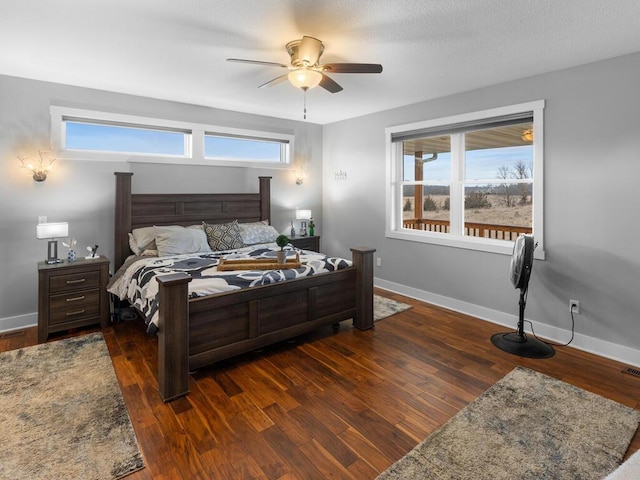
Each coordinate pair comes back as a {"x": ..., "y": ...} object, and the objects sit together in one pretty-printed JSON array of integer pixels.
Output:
[
  {"x": 393, "y": 226},
  {"x": 194, "y": 143}
]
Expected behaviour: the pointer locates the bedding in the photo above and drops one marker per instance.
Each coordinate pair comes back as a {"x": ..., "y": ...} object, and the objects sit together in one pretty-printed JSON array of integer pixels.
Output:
[{"x": 135, "y": 280}]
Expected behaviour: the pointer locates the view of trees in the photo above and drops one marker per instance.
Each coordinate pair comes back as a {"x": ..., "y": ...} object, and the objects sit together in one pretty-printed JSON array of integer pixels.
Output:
[{"x": 494, "y": 203}]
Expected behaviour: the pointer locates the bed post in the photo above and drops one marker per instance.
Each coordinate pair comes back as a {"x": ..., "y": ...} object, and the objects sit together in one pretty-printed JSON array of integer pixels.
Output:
[
  {"x": 173, "y": 336},
  {"x": 363, "y": 261},
  {"x": 265, "y": 198},
  {"x": 123, "y": 218}
]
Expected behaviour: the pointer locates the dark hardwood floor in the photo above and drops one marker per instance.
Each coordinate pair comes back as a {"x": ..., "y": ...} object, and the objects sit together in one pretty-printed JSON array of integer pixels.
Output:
[{"x": 331, "y": 405}]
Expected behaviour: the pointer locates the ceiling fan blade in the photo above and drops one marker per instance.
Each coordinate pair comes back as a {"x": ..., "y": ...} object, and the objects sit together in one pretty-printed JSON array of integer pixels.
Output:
[
  {"x": 352, "y": 67},
  {"x": 329, "y": 85},
  {"x": 257, "y": 62},
  {"x": 275, "y": 81},
  {"x": 310, "y": 50}
]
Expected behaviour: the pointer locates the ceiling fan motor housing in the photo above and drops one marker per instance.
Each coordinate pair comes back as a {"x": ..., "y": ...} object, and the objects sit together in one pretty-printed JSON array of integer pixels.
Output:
[{"x": 305, "y": 52}]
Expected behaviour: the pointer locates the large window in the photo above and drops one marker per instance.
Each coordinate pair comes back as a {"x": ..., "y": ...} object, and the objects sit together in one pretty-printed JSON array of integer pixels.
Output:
[
  {"x": 471, "y": 181},
  {"x": 92, "y": 135}
]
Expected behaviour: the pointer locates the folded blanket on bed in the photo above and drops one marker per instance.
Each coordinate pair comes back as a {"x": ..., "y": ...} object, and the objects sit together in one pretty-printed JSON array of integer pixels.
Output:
[{"x": 135, "y": 280}]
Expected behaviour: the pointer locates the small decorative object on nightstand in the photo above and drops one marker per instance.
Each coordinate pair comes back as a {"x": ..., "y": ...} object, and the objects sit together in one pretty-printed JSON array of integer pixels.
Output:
[
  {"x": 303, "y": 215},
  {"x": 72, "y": 295},
  {"x": 70, "y": 243},
  {"x": 310, "y": 242}
]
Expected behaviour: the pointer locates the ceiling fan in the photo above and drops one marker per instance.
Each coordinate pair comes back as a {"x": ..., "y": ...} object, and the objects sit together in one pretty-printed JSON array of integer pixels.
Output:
[{"x": 306, "y": 71}]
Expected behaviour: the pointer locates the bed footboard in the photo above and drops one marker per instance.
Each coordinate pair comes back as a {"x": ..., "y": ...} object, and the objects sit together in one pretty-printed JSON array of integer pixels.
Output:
[{"x": 199, "y": 332}]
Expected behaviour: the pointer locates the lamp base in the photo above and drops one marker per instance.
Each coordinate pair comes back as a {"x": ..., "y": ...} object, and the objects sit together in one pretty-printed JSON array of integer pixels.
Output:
[
  {"x": 52, "y": 253},
  {"x": 53, "y": 261},
  {"x": 523, "y": 346}
]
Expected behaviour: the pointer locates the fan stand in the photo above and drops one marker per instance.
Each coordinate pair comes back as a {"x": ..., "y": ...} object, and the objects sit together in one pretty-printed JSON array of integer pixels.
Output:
[{"x": 518, "y": 342}]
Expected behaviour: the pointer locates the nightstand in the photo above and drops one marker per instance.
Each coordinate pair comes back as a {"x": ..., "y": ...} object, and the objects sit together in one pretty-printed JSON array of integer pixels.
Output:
[
  {"x": 72, "y": 295},
  {"x": 311, "y": 242}
]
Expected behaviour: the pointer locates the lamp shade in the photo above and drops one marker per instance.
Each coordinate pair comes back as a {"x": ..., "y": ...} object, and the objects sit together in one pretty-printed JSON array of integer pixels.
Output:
[
  {"x": 305, "y": 78},
  {"x": 303, "y": 214},
  {"x": 52, "y": 230}
]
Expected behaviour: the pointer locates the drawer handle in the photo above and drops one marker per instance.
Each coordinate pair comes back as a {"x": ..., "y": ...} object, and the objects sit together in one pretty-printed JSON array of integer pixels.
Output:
[
  {"x": 75, "y": 299},
  {"x": 77, "y": 312},
  {"x": 76, "y": 281}
]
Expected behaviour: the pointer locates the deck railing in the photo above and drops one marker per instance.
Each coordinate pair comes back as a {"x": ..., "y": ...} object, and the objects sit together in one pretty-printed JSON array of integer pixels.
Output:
[{"x": 473, "y": 229}]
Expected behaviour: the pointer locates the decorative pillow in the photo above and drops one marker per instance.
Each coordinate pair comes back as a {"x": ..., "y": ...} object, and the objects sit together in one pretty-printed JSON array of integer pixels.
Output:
[
  {"x": 176, "y": 240},
  {"x": 223, "y": 236},
  {"x": 258, "y": 232},
  {"x": 141, "y": 239}
]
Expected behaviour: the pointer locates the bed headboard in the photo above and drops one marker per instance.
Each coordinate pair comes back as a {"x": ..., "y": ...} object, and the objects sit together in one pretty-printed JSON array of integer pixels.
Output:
[{"x": 145, "y": 210}]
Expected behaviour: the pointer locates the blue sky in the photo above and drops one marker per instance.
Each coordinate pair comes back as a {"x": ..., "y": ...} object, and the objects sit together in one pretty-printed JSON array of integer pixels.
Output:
[
  {"x": 86, "y": 136},
  {"x": 481, "y": 164}
]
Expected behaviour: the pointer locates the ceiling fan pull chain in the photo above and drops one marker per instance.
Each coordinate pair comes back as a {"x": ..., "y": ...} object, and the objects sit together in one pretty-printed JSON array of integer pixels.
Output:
[{"x": 305, "y": 102}]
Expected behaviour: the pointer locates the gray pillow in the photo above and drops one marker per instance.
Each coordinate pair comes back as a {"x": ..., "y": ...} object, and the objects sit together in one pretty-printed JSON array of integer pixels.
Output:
[
  {"x": 177, "y": 240},
  {"x": 258, "y": 232}
]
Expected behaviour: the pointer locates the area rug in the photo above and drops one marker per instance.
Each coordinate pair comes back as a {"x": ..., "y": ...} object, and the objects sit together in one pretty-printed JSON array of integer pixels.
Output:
[
  {"x": 526, "y": 426},
  {"x": 62, "y": 414},
  {"x": 385, "y": 307}
]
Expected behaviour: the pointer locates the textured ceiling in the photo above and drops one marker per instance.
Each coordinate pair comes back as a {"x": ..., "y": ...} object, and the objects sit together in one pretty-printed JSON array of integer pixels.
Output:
[{"x": 176, "y": 49}]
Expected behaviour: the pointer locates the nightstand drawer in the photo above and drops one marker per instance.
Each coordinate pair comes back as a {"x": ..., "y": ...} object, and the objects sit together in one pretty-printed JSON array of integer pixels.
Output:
[
  {"x": 72, "y": 306},
  {"x": 74, "y": 281},
  {"x": 306, "y": 243}
]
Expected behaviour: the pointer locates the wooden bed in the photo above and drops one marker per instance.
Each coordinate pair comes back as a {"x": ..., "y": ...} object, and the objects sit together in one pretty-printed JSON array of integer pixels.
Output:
[{"x": 197, "y": 332}]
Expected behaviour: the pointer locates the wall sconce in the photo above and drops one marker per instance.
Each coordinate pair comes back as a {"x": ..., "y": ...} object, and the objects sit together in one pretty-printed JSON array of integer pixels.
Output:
[
  {"x": 527, "y": 135},
  {"x": 40, "y": 169},
  {"x": 299, "y": 175},
  {"x": 52, "y": 231},
  {"x": 303, "y": 215}
]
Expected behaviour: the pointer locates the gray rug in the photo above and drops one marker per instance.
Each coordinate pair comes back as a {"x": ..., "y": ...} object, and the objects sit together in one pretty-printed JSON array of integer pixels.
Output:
[
  {"x": 62, "y": 414},
  {"x": 385, "y": 307},
  {"x": 527, "y": 426}
]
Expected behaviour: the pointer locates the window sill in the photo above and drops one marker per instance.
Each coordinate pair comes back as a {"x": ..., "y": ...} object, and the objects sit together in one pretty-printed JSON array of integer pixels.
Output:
[
  {"x": 88, "y": 155},
  {"x": 488, "y": 245}
]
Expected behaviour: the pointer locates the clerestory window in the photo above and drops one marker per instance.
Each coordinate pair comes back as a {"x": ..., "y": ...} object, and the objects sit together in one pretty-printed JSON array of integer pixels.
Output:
[{"x": 92, "y": 135}]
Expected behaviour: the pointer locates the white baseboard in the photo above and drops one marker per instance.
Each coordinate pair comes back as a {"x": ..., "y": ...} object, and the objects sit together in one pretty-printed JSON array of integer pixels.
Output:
[
  {"x": 18, "y": 322},
  {"x": 585, "y": 343}
]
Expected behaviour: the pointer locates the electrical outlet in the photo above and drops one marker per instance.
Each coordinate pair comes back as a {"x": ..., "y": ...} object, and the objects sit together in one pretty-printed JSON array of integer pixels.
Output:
[
  {"x": 42, "y": 219},
  {"x": 574, "y": 306},
  {"x": 378, "y": 262}
]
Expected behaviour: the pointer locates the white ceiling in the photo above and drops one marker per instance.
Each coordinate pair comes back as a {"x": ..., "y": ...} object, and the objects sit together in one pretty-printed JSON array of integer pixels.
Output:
[{"x": 176, "y": 49}]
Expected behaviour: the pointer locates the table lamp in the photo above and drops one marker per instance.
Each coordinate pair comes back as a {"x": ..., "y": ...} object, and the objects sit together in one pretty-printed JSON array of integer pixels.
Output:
[{"x": 52, "y": 231}]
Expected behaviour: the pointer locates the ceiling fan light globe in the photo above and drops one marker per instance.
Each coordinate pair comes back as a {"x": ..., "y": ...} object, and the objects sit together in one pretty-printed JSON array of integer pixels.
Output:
[{"x": 305, "y": 78}]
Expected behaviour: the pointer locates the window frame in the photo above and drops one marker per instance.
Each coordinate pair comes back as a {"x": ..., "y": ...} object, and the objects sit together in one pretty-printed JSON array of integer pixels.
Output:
[
  {"x": 193, "y": 147},
  {"x": 394, "y": 181}
]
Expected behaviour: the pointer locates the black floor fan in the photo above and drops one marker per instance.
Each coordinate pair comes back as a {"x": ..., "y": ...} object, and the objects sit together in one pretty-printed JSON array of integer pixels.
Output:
[{"x": 518, "y": 342}]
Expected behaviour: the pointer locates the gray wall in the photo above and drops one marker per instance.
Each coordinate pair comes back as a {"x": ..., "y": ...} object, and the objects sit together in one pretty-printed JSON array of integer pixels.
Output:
[
  {"x": 592, "y": 134},
  {"x": 592, "y": 200},
  {"x": 82, "y": 192}
]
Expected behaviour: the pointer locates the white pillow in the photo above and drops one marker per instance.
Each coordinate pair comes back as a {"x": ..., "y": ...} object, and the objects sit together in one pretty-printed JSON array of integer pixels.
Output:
[
  {"x": 141, "y": 239},
  {"x": 177, "y": 240},
  {"x": 258, "y": 232}
]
